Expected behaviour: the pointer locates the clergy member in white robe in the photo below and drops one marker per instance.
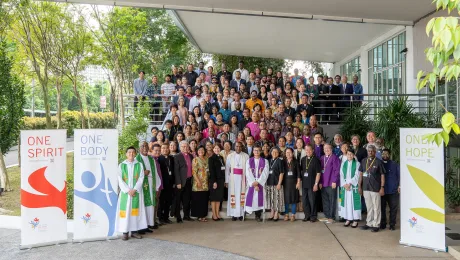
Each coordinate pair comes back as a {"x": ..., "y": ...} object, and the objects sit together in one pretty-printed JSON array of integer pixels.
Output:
[
  {"x": 256, "y": 175},
  {"x": 131, "y": 215},
  {"x": 235, "y": 170},
  {"x": 349, "y": 197},
  {"x": 150, "y": 185}
]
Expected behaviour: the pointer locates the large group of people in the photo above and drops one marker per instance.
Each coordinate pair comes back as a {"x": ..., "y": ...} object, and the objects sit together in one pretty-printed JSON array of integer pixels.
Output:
[{"x": 253, "y": 141}]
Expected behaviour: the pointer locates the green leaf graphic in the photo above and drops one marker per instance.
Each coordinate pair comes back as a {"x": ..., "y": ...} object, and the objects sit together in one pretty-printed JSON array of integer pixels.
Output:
[
  {"x": 430, "y": 214},
  {"x": 429, "y": 185}
]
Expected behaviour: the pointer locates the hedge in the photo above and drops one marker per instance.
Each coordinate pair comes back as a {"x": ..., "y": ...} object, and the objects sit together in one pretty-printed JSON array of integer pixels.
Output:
[{"x": 71, "y": 120}]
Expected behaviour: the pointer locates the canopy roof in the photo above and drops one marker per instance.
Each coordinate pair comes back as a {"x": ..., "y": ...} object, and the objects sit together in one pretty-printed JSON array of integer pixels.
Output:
[{"x": 315, "y": 30}]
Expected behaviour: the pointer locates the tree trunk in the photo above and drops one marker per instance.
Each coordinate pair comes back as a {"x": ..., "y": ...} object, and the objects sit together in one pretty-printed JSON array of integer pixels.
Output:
[
  {"x": 47, "y": 105},
  {"x": 80, "y": 105},
  {"x": 59, "y": 105},
  {"x": 4, "y": 180}
]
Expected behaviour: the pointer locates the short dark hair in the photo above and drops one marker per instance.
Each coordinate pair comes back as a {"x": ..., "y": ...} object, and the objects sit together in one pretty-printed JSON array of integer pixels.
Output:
[
  {"x": 156, "y": 145},
  {"x": 143, "y": 72},
  {"x": 131, "y": 148},
  {"x": 168, "y": 121},
  {"x": 386, "y": 150},
  {"x": 320, "y": 134}
]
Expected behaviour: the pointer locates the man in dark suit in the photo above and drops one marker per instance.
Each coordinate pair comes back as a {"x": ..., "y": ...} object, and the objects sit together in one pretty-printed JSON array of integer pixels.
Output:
[
  {"x": 246, "y": 119},
  {"x": 322, "y": 100},
  {"x": 224, "y": 72},
  {"x": 235, "y": 83},
  {"x": 346, "y": 90},
  {"x": 166, "y": 162},
  {"x": 183, "y": 180},
  {"x": 249, "y": 148},
  {"x": 334, "y": 101},
  {"x": 211, "y": 138}
]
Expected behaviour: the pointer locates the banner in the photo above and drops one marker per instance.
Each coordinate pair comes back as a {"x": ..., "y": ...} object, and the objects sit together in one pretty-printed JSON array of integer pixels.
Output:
[
  {"x": 95, "y": 183},
  {"x": 422, "y": 190},
  {"x": 43, "y": 187}
]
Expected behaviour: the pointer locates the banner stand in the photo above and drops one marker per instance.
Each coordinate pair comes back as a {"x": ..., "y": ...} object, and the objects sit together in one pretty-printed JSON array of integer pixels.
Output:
[
  {"x": 423, "y": 247},
  {"x": 81, "y": 241}
]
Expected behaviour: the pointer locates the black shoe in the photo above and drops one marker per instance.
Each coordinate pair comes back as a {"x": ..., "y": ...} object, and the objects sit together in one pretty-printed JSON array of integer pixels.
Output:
[
  {"x": 258, "y": 219},
  {"x": 365, "y": 227},
  {"x": 189, "y": 219},
  {"x": 141, "y": 232},
  {"x": 240, "y": 218},
  {"x": 392, "y": 228},
  {"x": 342, "y": 220},
  {"x": 270, "y": 219},
  {"x": 180, "y": 221},
  {"x": 375, "y": 229},
  {"x": 313, "y": 220},
  {"x": 155, "y": 227},
  {"x": 282, "y": 213},
  {"x": 276, "y": 219},
  {"x": 167, "y": 221},
  {"x": 158, "y": 224},
  {"x": 148, "y": 230},
  {"x": 305, "y": 219},
  {"x": 383, "y": 226},
  {"x": 221, "y": 219},
  {"x": 217, "y": 219},
  {"x": 234, "y": 218}
]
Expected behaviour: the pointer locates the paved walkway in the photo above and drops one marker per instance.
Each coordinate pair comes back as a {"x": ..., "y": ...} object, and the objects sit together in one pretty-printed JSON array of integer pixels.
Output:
[{"x": 232, "y": 240}]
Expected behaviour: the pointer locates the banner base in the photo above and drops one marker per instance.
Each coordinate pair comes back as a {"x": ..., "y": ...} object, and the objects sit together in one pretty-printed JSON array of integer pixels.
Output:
[
  {"x": 424, "y": 247},
  {"x": 54, "y": 243},
  {"x": 94, "y": 239}
]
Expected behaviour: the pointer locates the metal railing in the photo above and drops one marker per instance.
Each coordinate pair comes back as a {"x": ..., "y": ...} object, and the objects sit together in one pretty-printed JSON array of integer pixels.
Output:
[
  {"x": 327, "y": 114},
  {"x": 159, "y": 107}
]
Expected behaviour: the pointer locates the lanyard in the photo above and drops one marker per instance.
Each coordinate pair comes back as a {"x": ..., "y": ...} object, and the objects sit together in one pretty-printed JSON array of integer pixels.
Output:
[
  {"x": 273, "y": 163},
  {"x": 308, "y": 163},
  {"x": 367, "y": 163},
  {"x": 325, "y": 162}
]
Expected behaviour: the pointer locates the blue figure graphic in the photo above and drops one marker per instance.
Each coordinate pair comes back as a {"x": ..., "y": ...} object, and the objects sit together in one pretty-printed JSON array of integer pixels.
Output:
[{"x": 107, "y": 202}]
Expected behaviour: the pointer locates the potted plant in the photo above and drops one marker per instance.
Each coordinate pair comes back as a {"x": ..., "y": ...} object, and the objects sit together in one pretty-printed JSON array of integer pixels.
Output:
[{"x": 453, "y": 197}]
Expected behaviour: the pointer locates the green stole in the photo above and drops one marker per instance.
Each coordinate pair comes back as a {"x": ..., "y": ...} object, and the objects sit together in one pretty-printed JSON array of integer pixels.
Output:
[
  {"x": 145, "y": 186},
  {"x": 354, "y": 189},
  {"x": 125, "y": 196}
]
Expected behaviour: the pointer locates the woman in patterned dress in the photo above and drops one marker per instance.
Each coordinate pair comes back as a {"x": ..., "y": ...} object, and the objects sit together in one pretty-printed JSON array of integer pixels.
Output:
[
  {"x": 200, "y": 187},
  {"x": 273, "y": 186}
]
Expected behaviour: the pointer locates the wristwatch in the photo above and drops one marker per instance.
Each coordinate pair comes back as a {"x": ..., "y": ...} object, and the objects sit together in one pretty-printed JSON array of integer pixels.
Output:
[{"x": 316, "y": 183}]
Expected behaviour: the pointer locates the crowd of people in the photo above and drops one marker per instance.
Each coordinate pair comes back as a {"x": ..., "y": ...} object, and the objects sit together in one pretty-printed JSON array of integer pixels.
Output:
[{"x": 252, "y": 141}]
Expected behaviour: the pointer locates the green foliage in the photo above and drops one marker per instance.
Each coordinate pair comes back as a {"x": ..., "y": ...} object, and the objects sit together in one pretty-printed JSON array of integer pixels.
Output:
[
  {"x": 356, "y": 122},
  {"x": 399, "y": 113},
  {"x": 70, "y": 192},
  {"x": 135, "y": 129},
  {"x": 444, "y": 55},
  {"x": 71, "y": 120},
  {"x": 453, "y": 195},
  {"x": 11, "y": 101},
  {"x": 250, "y": 63}
]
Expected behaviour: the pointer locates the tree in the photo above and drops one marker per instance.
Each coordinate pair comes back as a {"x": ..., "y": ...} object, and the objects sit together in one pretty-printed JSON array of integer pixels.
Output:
[
  {"x": 119, "y": 36},
  {"x": 250, "y": 63},
  {"x": 34, "y": 29},
  {"x": 313, "y": 67},
  {"x": 72, "y": 46},
  {"x": 444, "y": 55},
  {"x": 11, "y": 109}
]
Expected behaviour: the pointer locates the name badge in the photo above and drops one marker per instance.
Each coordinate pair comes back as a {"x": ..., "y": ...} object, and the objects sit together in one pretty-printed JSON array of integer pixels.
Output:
[
  {"x": 222, "y": 168},
  {"x": 365, "y": 174},
  {"x": 289, "y": 173},
  {"x": 322, "y": 171},
  {"x": 270, "y": 172},
  {"x": 170, "y": 173},
  {"x": 305, "y": 174}
]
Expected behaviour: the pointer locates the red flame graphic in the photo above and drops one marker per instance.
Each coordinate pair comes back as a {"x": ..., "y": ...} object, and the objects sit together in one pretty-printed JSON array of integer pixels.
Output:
[
  {"x": 52, "y": 198},
  {"x": 36, "y": 219},
  {"x": 88, "y": 215}
]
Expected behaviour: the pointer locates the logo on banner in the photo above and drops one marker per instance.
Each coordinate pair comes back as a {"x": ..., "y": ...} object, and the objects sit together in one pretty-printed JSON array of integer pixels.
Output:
[
  {"x": 86, "y": 218},
  {"x": 412, "y": 222},
  {"x": 51, "y": 197},
  {"x": 101, "y": 194},
  {"x": 34, "y": 223}
]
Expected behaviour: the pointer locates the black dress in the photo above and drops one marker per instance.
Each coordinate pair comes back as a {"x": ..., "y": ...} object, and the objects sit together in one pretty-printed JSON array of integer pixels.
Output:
[
  {"x": 291, "y": 194},
  {"x": 216, "y": 174}
]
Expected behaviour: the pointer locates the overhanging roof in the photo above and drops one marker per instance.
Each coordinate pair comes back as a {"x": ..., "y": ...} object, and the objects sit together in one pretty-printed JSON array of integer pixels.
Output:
[{"x": 316, "y": 30}]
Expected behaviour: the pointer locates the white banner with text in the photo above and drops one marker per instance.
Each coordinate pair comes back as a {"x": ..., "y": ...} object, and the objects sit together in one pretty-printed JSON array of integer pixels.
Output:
[
  {"x": 422, "y": 189},
  {"x": 95, "y": 183}
]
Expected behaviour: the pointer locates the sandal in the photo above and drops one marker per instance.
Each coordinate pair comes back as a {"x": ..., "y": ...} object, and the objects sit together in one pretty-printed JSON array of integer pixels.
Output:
[
  {"x": 353, "y": 225},
  {"x": 292, "y": 218},
  {"x": 347, "y": 223},
  {"x": 203, "y": 220},
  {"x": 286, "y": 217}
]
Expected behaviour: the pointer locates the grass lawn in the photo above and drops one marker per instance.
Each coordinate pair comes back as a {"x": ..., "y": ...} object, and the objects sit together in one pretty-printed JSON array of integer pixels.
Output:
[{"x": 12, "y": 200}]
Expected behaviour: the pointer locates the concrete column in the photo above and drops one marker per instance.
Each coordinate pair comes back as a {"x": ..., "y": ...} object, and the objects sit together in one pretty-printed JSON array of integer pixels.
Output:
[
  {"x": 364, "y": 59},
  {"x": 411, "y": 79}
]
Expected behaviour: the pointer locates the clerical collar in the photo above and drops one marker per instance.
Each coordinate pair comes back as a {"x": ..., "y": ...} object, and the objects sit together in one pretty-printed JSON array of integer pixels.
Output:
[{"x": 384, "y": 161}]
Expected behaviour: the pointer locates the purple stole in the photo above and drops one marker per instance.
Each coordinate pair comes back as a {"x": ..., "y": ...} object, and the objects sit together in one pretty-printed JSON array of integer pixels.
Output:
[{"x": 251, "y": 188}]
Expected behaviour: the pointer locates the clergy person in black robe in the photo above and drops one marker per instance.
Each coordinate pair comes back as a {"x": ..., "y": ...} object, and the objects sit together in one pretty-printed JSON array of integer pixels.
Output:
[
  {"x": 166, "y": 162},
  {"x": 310, "y": 168}
]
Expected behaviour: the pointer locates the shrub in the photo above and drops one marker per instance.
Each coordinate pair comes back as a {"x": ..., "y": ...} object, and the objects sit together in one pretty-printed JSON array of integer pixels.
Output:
[
  {"x": 356, "y": 122},
  {"x": 134, "y": 130},
  {"x": 71, "y": 120}
]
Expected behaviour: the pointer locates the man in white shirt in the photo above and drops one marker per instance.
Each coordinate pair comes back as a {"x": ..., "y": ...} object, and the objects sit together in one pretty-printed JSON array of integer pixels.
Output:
[
  {"x": 195, "y": 100},
  {"x": 244, "y": 72},
  {"x": 169, "y": 89}
]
